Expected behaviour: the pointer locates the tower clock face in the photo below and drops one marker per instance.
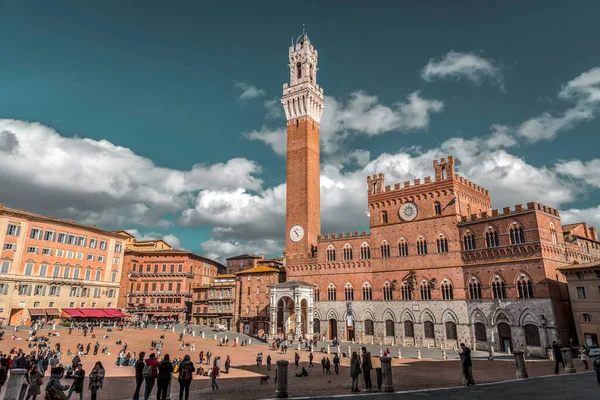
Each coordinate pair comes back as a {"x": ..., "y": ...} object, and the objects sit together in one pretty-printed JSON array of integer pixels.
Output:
[
  {"x": 296, "y": 233},
  {"x": 408, "y": 211}
]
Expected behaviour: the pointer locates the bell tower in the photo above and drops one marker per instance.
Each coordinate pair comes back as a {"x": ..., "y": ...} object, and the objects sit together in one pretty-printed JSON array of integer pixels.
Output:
[{"x": 303, "y": 104}]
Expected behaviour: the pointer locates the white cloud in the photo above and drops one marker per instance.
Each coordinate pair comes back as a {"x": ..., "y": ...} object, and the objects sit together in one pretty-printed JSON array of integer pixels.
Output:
[
  {"x": 274, "y": 109},
  {"x": 169, "y": 238},
  {"x": 249, "y": 92},
  {"x": 222, "y": 249},
  {"x": 588, "y": 171},
  {"x": 275, "y": 138},
  {"x": 98, "y": 182},
  {"x": 585, "y": 91},
  {"x": 463, "y": 65},
  {"x": 589, "y": 215}
]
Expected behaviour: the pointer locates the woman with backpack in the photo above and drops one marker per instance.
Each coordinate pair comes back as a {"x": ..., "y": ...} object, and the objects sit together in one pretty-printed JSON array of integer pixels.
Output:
[
  {"x": 165, "y": 369},
  {"x": 96, "y": 379},
  {"x": 186, "y": 369},
  {"x": 354, "y": 370},
  {"x": 54, "y": 389}
]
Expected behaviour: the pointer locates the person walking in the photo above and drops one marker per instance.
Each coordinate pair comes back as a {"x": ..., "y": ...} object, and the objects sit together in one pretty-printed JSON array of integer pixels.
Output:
[
  {"x": 269, "y": 362},
  {"x": 54, "y": 389},
  {"x": 310, "y": 360},
  {"x": 208, "y": 356},
  {"x": 227, "y": 364},
  {"x": 558, "y": 359},
  {"x": 327, "y": 366},
  {"x": 213, "y": 377},
  {"x": 354, "y": 371},
  {"x": 584, "y": 356},
  {"x": 466, "y": 364},
  {"x": 34, "y": 378},
  {"x": 150, "y": 373},
  {"x": 296, "y": 359},
  {"x": 139, "y": 377},
  {"x": 96, "y": 379},
  {"x": 186, "y": 369},
  {"x": 78, "y": 378},
  {"x": 596, "y": 365},
  {"x": 367, "y": 366},
  {"x": 165, "y": 369},
  {"x": 336, "y": 364}
]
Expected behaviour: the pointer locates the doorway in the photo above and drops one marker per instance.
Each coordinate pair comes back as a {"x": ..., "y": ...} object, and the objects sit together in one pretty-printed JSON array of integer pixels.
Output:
[
  {"x": 350, "y": 333},
  {"x": 504, "y": 336},
  {"x": 332, "y": 329}
]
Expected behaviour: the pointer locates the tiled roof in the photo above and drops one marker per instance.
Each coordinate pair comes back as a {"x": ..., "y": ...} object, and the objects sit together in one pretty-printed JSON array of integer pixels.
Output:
[
  {"x": 244, "y": 257},
  {"x": 570, "y": 227},
  {"x": 593, "y": 264},
  {"x": 257, "y": 270}
]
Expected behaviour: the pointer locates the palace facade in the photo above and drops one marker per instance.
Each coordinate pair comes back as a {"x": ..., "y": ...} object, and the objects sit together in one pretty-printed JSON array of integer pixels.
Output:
[{"x": 438, "y": 266}]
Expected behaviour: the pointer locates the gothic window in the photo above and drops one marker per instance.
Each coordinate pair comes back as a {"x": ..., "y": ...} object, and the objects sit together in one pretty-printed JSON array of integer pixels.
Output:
[
  {"x": 425, "y": 291},
  {"x": 451, "y": 331},
  {"x": 349, "y": 292},
  {"x": 365, "y": 252},
  {"x": 480, "y": 332},
  {"x": 389, "y": 328},
  {"x": 442, "y": 244},
  {"x": 311, "y": 73},
  {"x": 387, "y": 292},
  {"x": 331, "y": 253},
  {"x": 385, "y": 250},
  {"x": 347, "y": 252},
  {"x": 403, "y": 248},
  {"x": 406, "y": 292},
  {"x": 384, "y": 217},
  {"x": 437, "y": 208},
  {"x": 498, "y": 288},
  {"x": 516, "y": 234},
  {"x": 491, "y": 238},
  {"x": 474, "y": 290},
  {"x": 532, "y": 335},
  {"x": 443, "y": 173},
  {"x": 369, "y": 331},
  {"x": 316, "y": 325},
  {"x": 367, "y": 292},
  {"x": 524, "y": 287},
  {"x": 331, "y": 293},
  {"x": 299, "y": 70},
  {"x": 553, "y": 234},
  {"x": 429, "y": 331},
  {"x": 421, "y": 246},
  {"x": 447, "y": 290},
  {"x": 586, "y": 317},
  {"x": 316, "y": 293},
  {"x": 409, "y": 329},
  {"x": 469, "y": 241},
  {"x": 469, "y": 210}
]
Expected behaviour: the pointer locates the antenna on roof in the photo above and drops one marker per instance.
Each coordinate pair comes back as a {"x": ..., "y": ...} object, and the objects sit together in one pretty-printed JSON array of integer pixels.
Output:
[{"x": 303, "y": 30}]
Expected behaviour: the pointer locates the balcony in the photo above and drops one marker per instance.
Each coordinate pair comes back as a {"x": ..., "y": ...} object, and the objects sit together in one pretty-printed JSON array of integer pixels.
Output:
[
  {"x": 158, "y": 293},
  {"x": 139, "y": 309},
  {"x": 136, "y": 274}
]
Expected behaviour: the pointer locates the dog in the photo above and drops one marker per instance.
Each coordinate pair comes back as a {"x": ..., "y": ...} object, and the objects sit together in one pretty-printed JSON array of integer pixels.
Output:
[{"x": 264, "y": 379}]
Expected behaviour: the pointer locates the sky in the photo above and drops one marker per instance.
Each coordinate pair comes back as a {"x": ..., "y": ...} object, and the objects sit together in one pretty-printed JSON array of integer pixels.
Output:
[{"x": 163, "y": 118}]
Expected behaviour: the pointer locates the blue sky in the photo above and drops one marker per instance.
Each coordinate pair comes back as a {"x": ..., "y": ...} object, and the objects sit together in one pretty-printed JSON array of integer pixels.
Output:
[{"x": 163, "y": 117}]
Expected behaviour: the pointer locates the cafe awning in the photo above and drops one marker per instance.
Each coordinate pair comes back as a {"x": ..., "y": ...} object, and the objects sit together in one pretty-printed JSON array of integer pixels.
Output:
[
  {"x": 37, "y": 312},
  {"x": 52, "y": 311},
  {"x": 114, "y": 313},
  {"x": 73, "y": 312},
  {"x": 93, "y": 313}
]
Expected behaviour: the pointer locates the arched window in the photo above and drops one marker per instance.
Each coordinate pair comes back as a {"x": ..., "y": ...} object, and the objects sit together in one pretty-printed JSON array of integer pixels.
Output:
[
  {"x": 516, "y": 234},
  {"x": 444, "y": 173},
  {"x": 425, "y": 291},
  {"x": 331, "y": 253},
  {"x": 299, "y": 70},
  {"x": 498, "y": 288},
  {"x": 385, "y": 250},
  {"x": 387, "y": 292},
  {"x": 331, "y": 293},
  {"x": 451, "y": 331},
  {"x": 532, "y": 335},
  {"x": 316, "y": 293},
  {"x": 437, "y": 208},
  {"x": 447, "y": 290},
  {"x": 402, "y": 248},
  {"x": 365, "y": 251},
  {"x": 469, "y": 241},
  {"x": 553, "y": 234},
  {"x": 406, "y": 292},
  {"x": 367, "y": 292},
  {"x": 421, "y": 246},
  {"x": 586, "y": 317},
  {"x": 409, "y": 329},
  {"x": 474, "y": 289},
  {"x": 349, "y": 292},
  {"x": 491, "y": 238},
  {"x": 389, "y": 328},
  {"x": 442, "y": 244},
  {"x": 524, "y": 287},
  {"x": 312, "y": 73},
  {"x": 369, "y": 330},
  {"x": 347, "y": 252},
  {"x": 316, "y": 325},
  {"x": 429, "y": 331},
  {"x": 469, "y": 210},
  {"x": 384, "y": 217},
  {"x": 480, "y": 332}
]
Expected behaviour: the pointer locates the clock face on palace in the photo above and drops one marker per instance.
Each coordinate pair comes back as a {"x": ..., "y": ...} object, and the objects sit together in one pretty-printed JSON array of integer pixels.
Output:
[
  {"x": 296, "y": 233},
  {"x": 408, "y": 211}
]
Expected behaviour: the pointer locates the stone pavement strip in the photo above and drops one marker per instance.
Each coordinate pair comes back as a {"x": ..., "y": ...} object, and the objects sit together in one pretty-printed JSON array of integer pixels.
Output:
[{"x": 580, "y": 386}]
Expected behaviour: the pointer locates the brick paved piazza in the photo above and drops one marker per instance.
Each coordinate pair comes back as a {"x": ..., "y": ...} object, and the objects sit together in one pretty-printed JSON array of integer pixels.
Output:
[{"x": 243, "y": 380}]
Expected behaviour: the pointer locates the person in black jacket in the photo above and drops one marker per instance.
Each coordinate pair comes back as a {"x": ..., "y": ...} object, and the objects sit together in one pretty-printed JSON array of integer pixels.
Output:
[
  {"x": 467, "y": 364},
  {"x": 165, "y": 369},
  {"x": 558, "y": 359},
  {"x": 139, "y": 379}
]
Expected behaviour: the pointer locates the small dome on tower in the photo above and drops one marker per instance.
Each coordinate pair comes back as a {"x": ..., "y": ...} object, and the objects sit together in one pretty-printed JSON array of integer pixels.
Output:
[{"x": 302, "y": 38}]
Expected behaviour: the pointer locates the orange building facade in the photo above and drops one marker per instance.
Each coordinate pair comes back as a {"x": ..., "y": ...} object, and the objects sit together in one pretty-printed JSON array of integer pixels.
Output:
[
  {"x": 439, "y": 266},
  {"x": 48, "y": 265}
]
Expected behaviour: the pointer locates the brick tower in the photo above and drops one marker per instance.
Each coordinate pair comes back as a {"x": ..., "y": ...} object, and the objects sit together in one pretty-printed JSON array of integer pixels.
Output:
[{"x": 303, "y": 104}]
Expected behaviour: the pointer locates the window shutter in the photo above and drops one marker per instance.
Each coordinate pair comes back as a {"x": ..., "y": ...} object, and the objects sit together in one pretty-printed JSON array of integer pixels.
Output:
[
  {"x": 19, "y": 230},
  {"x": 58, "y": 290},
  {"x": 29, "y": 290},
  {"x": 44, "y": 291}
]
